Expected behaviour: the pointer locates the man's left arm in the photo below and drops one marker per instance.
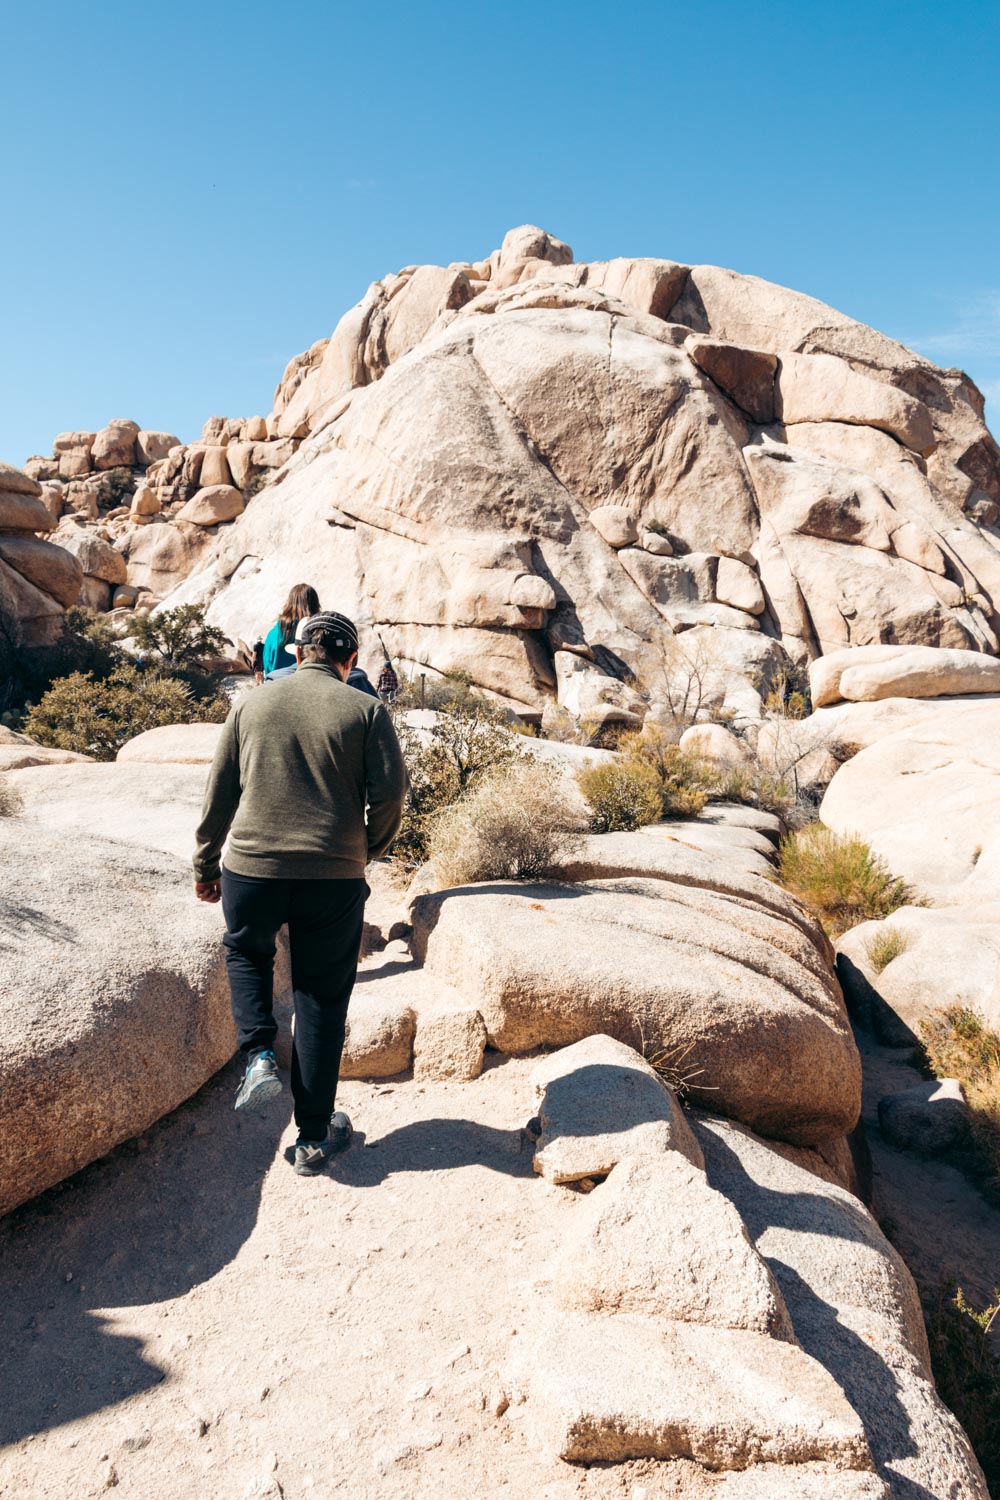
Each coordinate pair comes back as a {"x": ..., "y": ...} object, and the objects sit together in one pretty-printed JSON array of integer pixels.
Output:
[
  {"x": 386, "y": 783},
  {"x": 222, "y": 798}
]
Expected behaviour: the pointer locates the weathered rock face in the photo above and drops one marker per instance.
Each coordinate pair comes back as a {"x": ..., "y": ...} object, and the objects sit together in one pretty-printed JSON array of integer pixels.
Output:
[
  {"x": 927, "y": 798},
  {"x": 86, "y": 1065}
]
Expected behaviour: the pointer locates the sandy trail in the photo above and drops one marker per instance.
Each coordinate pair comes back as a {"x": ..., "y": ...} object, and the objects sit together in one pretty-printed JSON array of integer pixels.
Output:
[{"x": 187, "y": 1318}]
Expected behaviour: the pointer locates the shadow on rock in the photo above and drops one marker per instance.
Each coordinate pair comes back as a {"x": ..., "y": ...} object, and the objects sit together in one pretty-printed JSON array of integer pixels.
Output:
[
  {"x": 435, "y": 1145},
  {"x": 145, "y": 1224}
]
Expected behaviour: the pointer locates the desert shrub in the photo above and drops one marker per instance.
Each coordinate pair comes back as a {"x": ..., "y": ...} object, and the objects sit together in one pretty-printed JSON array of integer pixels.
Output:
[
  {"x": 839, "y": 878},
  {"x": 179, "y": 638},
  {"x": 10, "y": 799},
  {"x": 757, "y": 785},
  {"x": 469, "y": 739},
  {"x": 683, "y": 781},
  {"x": 516, "y": 823},
  {"x": 92, "y": 717},
  {"x": 885, "y": 945},
  {"x": 687, "y": 684},
  {"x": 967, "y": 1372},
  {"x": 255, "y": 484},
  {"x": 620, "y": 796},
  {"x": 116, "y": 488},
  {"x": 959, "y": 1044},
  {"x": 786, "y": 695}
]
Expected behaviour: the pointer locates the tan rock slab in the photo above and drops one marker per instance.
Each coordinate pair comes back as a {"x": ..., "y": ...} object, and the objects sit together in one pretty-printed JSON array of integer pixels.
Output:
[
  {"x": 608, "y": 1389},
  {"x": 173, "y": 744},
  {"x": 655, "y": 1239},
  {"x": 600, "y": 1101},
  {"x": 868, "y": 673},
  {"x": 97, "y": 558},
  {"x": 747, "y": 375},
  {"x": 85, "y": 1065},
  {"x": 927, "y": 799},
  {"x": 743, "y": 989},
  {"x": 114, "y": 446},
  {"x": 852, "y": 1302},
  {"x": 15, "y": 482},
  {"x": 379, "y": 1040},
  {"x": 23, "y": 511},
  {"x": 151, "y": 446}
]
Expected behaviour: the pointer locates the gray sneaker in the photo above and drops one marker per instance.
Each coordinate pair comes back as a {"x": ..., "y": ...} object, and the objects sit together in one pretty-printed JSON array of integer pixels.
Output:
[
  {"x": 260, "y": 1082},
  {"x": 312, "y": 1156}
]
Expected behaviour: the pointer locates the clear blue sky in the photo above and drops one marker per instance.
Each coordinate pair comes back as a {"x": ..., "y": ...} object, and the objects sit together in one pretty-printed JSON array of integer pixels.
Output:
[{"x": 195, "y": 192}]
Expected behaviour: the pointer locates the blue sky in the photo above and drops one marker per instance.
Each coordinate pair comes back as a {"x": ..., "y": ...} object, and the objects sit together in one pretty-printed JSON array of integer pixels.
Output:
[{"x": 194, "y": 193}]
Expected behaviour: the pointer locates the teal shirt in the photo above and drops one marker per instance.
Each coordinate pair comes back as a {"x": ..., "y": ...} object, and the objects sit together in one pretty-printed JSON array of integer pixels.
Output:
[{"x": 276, "y": 654}]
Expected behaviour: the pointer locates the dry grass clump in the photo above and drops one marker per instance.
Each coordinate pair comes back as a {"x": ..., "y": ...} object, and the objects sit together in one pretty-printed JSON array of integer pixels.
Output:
[
  {"x": 959, "y": 1044},
  {"x": 967, "y": 1372},
  {"x": 839, "y": 878},
  {"x": 885, "y": 945},
  {"x": 517, "y": 823},
  {"x": 469, "y": 741},
  {"x": 676, "y": 1067},
  {"x": 10, "y": 799}
]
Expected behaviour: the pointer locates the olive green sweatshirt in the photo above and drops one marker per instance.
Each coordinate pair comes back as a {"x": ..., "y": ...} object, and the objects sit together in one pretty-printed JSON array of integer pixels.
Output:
[{"x": 296, "y": 765}]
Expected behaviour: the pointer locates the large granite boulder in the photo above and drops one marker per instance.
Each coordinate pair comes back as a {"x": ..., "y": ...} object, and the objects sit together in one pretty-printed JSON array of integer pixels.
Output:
[
  {"x": 927, "y": 799},
  {"x": 117, "y": 1001},
  {"x": 720, "y": 969}
]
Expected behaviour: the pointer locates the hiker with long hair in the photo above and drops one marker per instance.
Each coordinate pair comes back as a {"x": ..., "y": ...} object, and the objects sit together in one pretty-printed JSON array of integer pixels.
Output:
[{"x": 279, "y": 646}]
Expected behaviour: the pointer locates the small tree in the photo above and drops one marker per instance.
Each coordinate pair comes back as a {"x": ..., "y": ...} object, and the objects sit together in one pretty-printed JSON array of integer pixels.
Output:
[{"x": 179, "y": 637}]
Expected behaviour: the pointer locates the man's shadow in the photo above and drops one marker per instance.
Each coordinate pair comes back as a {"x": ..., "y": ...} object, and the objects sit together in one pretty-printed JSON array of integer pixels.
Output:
[{"x": 145, "y": 1224}]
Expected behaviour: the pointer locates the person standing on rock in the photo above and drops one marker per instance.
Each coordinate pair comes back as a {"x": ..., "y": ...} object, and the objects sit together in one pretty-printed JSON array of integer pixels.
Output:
[
  {"x": 279, "y": 648},
  {"x": 291, "y": 777}
]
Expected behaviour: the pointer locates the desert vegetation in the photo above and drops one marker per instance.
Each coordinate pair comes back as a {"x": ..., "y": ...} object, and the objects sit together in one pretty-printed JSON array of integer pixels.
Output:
[
  {"x": 968, "y": 1372},
  {"x": 959, "y": 1044},
  {"x": 516, "y": 823},
  {"x": 88, "y": 694},
  {"x": 839, "y": 878}
]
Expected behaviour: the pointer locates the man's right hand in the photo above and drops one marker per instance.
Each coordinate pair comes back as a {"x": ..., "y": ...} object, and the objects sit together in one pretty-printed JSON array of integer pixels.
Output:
[{"x": 208, "y": 890}]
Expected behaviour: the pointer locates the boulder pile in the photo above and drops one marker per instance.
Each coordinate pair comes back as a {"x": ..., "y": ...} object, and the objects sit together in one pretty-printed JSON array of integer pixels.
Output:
[
  {"x": 38, "y": 580},
  {"x": 502, "y": 467}
]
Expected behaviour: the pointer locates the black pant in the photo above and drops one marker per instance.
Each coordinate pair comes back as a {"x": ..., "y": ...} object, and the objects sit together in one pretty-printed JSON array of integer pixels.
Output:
[{"x": 325, "y": 921}]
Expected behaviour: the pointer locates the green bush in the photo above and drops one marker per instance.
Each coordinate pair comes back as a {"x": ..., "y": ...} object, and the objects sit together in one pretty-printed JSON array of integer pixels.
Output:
[
  {"x": 839, "y": 878},
  {"x": 469, "y": 739},
  {"x": 621, "y": 797},
  {"x": 967, "y": 1372},
  {"x": 87, "y": 644},
  {"x": 516, "y": 823},
  {"x": 94, "y": 717},
  {"x": 178, "y": 637}
]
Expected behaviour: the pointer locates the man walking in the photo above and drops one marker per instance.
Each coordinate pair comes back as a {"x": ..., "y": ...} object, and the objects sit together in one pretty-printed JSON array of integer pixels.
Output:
[{"x": 291, "y": 777}]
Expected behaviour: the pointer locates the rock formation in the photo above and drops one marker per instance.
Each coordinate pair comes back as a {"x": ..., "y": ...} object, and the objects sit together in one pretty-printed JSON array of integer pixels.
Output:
[
  {"x": 538, "y": 471},
  {"x": 38, "y": 581}
]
